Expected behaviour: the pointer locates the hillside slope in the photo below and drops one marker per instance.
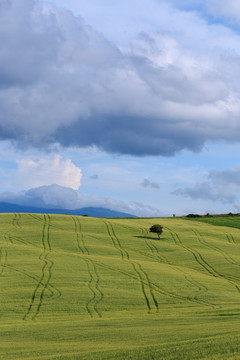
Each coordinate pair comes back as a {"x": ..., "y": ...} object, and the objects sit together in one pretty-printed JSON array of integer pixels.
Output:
[{"x": 86, "y": 288}]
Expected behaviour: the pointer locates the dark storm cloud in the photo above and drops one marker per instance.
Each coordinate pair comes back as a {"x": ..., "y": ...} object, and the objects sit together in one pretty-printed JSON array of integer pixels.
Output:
[
  {"x": 129, "y": 135},
  {"x": 62, "y": 82}
]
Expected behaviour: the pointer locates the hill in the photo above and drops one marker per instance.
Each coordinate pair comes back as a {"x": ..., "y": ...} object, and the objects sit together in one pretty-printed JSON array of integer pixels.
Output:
[
  {"x": 78, "y": 288},
  {"x": 90, "y": 211}
]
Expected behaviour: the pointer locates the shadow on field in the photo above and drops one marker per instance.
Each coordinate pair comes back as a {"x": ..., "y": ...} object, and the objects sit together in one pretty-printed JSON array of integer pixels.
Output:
[{"x": 147, "y": 237}]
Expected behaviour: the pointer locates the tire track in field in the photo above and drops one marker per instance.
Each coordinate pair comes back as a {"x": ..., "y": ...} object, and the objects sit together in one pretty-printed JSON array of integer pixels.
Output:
[
  {"x": 146, "y": 285},
  {"x": 230, "y": 239},
  {"x": 94, "y": 279},
  {"x": 115, "y": 241},
  {"x": 156, "y": 287},
  {"x": 3, "y": 260},
  {"x": 227, "y": 257},
  {"x": 232, "y": 279},
  {"x": 39, "y": 219},
  {"x": 15, "y": 221},
  {"x": 54, "y": 292},
  {"x": 155, "y": 251},
  {"x": 11, "y": 238},
  {"x": 202, "y": 262},
  {"x": 152, "y": 286},
  {"x": 51, "y": 289},
  {"x": 162, "y": 259},
  {"x": 144, "y": 231},
  {"x": 43, "y": 283}
]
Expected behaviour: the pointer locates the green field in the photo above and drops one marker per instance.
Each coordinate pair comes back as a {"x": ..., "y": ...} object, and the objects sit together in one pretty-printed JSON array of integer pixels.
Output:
[
  {"x": 225, "y": 220},
  {"x": 84, "y": 288}
]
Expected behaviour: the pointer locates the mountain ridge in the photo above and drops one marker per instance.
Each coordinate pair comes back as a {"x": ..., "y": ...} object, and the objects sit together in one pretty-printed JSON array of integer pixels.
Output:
[{"x": 6, "y": 207}]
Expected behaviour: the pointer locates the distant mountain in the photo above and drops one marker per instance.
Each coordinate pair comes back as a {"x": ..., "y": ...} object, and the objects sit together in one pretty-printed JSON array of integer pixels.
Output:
[{"x": 90, "y": 211}]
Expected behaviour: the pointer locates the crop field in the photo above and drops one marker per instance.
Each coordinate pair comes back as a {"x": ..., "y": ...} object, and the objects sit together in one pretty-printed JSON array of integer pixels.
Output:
[{"x": 99, "y": 289}]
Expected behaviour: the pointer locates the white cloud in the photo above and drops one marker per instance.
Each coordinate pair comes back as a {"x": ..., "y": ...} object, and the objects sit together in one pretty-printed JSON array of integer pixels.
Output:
[
  {"x": 224, "y": 8},
  {"x": 220, "y": 186},
  {"x": 47, "y": 171},
  {"x": 59, "y": 197}
]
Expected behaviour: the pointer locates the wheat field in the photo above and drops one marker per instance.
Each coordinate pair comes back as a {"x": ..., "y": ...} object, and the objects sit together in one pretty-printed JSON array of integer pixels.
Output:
[{"x": 94, "y": 289}]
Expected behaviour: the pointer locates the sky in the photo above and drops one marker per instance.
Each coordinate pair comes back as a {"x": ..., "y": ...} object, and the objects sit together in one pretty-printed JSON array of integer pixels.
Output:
[{"x": 130, "y": 105}]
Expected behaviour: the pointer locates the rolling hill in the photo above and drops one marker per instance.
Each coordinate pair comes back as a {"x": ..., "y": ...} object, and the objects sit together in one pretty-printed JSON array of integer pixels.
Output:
[{"x": 94, "y": 289}]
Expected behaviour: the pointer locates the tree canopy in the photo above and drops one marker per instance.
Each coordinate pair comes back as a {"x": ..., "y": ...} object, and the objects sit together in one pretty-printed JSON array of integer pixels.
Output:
[{"x": 157, "y": 229}]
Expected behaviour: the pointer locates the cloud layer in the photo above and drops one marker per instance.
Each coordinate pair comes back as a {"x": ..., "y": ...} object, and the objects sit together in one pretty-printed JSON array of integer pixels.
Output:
[
  {"x": 59, "y": 197},
  {"x": 171, "y": 91},
  {"x": 221, "y": 185}
]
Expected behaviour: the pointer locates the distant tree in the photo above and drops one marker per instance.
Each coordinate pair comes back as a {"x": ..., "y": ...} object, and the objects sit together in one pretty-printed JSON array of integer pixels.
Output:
[
  {"x": 85, "y": 215},
  {"x": 157, "y": 229},
  {"x": 193, "y": 216}
]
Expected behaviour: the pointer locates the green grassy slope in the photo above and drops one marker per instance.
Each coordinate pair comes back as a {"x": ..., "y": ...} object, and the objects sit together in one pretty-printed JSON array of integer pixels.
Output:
[
  {"x": 218, "y": 220},
  {"x": 85, "y": 288}
]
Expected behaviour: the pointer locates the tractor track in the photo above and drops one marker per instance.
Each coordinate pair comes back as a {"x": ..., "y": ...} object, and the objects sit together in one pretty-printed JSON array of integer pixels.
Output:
[
  {"x": 156, "y": 287},
  {"x": 202, "y": 262},
  {"x": 3, "y": 260},
  {"x": 230, "y": 239},
  {"x": 43, "y": 284},
  {"x": 227, "y": 257},
  {"x": 232, "y": 279},
  {"x": 94, "y": 279},
  {"x": 162, "y": 259},
  {"x": 161, "y": 291},
  {"x": 145, "y": 285},
  {"x": 15, "y": 221},
  {"x": 53, "y": 291},
  {"x": 148, "y": 287},
  {"x": 114, "y": 240}
]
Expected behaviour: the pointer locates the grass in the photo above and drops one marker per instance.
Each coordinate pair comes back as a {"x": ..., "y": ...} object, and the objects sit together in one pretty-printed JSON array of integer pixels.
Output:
[
  {"x": 93, "y": 289},
  {"x": 221, "y": 220}
]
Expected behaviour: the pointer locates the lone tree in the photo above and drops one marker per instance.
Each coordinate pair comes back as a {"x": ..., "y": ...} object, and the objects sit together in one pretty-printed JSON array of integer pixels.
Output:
[{"x": 157, "y": 229}]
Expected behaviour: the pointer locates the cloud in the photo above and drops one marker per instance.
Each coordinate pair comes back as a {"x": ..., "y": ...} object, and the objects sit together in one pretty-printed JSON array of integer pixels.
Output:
[
  {"x": 204, "y": 190},
  {"x": 147, "y": 183},
  {"x": 93, "y": 177},
  {"x": 47, "y": 171},
  {"x": 228, "y": 9},
  {"x": 226, "y": 178},
  {"x": 221, "y": 185},
  {"x": 175, "y": 89},
  {"x": 59, "y": 197}
]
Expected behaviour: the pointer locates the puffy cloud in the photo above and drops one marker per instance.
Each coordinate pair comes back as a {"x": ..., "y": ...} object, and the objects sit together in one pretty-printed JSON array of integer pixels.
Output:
[
  {"x": 59, "y": 197},
  {"x": 148, "y": 183},
  {"x": 171, "y": 91},
  {"x": 47, "y": 171}
]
